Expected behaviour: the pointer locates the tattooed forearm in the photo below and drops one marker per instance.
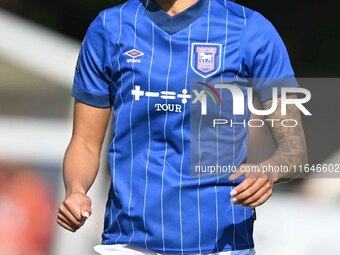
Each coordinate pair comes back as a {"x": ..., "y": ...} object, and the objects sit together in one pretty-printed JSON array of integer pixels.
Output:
[{"x": 290, "y": 141}]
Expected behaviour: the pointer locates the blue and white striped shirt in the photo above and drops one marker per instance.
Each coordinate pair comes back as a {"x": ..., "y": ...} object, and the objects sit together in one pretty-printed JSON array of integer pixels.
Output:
[{"x": 140, "y": 61}]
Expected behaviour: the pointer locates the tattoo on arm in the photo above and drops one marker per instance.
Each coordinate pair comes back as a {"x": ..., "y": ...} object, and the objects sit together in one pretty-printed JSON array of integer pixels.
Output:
[{"x": 290, "y": 141}]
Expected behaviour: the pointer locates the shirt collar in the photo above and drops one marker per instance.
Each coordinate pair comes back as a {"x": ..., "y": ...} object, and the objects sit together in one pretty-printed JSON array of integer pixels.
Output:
[{"x": 174, "y": 24}]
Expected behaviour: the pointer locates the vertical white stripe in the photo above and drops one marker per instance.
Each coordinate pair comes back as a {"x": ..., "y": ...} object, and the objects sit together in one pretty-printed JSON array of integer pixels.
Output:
[
  {"x": 237, "y": 79},
  {"x": 231, "y": 188},
  {"x": 149, "y": 129},
  {"x": 246, "y": 151},
  {"x": 245, "y": 209},
  {"x": 117, "y": 119},
  {"x": 131, "y": 131},
  {"x": 245, "y": 16},
  {"x": 166, "y": 145},
  {"x": 183, "y": 148},
  {"x": 217, "y": 129},
  {"x": 108, "y": 42},
  {"x": 208, "y": 30},
  {"x": 198, "y": 187},
  {"x": 111, "y": 163},
  {"x": 199, "y": 152},
  {"x": 245, "y": 147}
]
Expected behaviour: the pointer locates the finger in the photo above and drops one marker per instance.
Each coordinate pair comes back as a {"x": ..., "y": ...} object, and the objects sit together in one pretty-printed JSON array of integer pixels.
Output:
[
  {"x": 234, "y": 176},
  {"x": 262, "y": 200},
  {"x": 85, "y": 214},
  {"x": 250, "y": 191},
  {"x": 65, "y": 225},
  {"x": 262, "y": 190},
  {"x": 68, "y": 222},
  {"x": 74, "y": 208},
  {"x": 72, "y": 224},
  {"x": 239, "y": 173},
  {"x": 86, "y": 210},
  {"x": 242, "y": 186},
  {"x": 67, "y": 214}
]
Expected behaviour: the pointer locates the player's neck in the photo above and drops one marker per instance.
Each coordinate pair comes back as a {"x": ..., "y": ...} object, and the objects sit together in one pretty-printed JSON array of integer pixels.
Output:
[{"x": 173, "y": 7}]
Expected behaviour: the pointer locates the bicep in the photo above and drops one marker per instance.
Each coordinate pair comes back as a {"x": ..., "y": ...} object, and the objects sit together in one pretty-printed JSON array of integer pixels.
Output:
[{"x": 90, "y": 124}]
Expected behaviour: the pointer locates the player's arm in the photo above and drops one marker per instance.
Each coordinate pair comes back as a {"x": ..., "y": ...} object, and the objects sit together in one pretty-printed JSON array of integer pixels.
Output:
[
  {"x": 81, "y": 163},
  {"x": 291, "y": 150},
  {"x": 290, "y": 141}
]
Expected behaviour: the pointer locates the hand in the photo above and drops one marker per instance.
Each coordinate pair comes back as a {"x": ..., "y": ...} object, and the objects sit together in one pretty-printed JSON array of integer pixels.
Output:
[
  {"x": 255, "y": 190},
  {"x": 74, "y": 211}
]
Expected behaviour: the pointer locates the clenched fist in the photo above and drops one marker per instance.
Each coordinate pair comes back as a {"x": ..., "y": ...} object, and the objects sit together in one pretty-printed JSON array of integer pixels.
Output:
[{"x": 74, "y": 211}]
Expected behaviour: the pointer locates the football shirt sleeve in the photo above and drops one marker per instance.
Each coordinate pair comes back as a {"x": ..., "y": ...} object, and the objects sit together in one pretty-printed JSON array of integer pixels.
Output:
[
  {"x": 266, "y": 58},
  {"x": 92, "y": 77}
]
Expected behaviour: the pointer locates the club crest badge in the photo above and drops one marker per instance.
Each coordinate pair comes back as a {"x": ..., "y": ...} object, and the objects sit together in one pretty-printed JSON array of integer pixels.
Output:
[{"x": 206, "y": 58}]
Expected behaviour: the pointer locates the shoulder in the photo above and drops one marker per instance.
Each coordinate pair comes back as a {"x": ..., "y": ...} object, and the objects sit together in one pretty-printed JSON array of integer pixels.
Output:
[
  {"x": 251, "y": 17},
  {"x": 109, "y": 21},
  {"x": 261, "y": 24},
  {"x": 235, "y": 9},
  {"x": 259, "y": 29},
  {"x": 125, "y": 8},
  {"x": 117, "y": 12}
]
